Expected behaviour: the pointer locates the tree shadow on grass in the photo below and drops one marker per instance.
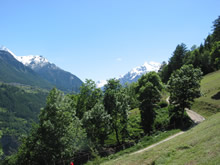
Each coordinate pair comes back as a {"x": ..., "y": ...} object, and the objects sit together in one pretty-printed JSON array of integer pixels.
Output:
[{"x": 216, "y": 96}]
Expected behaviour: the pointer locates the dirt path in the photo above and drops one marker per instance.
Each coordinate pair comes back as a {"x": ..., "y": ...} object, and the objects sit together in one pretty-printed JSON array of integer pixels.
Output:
[
  {"x": 156, "y": 144},
  {"x": 195, "y": 117}
]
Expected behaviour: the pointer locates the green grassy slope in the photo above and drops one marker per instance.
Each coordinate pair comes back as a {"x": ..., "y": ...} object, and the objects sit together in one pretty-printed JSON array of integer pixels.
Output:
[
  {"x": 209, "y": 103},
  {"x": 193, "y": 147}
]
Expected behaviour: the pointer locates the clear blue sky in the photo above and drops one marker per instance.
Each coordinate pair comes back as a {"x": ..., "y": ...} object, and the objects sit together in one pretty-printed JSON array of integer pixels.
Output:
[{"x": 101, "y": 39}]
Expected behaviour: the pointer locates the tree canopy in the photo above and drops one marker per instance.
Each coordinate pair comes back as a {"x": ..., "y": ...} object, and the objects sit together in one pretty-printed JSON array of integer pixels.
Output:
[
  {"x": 184, "y": 87},
  {"x": 148, "y": 90},
  {"x": 116, "y": 105}
]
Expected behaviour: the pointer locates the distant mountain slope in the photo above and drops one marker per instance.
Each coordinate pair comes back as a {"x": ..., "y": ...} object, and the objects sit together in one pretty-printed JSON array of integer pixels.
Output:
[
  {"x": 19, "y": 108},
  {"x": 63, "y": 80},
  {"x": 12, "y": 71}
]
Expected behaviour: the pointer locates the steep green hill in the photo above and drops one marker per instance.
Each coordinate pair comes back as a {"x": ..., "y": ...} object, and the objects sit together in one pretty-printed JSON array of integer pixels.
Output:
[
  {"x": 209, "y": 103},
  {"x": 19, "y": 108},
  {"x": 200, "y": 145}
]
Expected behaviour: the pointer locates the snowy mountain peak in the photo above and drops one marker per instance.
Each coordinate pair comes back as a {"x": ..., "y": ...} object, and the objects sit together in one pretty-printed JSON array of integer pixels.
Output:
[
  {"x": 101, "y": 83},
  {"x": 134, "y": 74},
  {"x": 33, "y": 61},
  {"x": 6, "y": 49},
  {"x": 140, "y": 70},
  {"x": 27, "y": 60}
]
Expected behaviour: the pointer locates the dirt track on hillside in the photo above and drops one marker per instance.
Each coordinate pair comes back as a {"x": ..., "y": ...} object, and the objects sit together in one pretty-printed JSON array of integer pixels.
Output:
[
  {"x": 195, "y": 117},
  {"x": 154, "y": 145}
]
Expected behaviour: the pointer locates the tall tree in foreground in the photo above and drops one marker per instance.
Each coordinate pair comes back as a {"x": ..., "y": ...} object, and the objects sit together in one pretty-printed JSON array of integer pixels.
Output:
[
  {"x": 116, "y": 105},
  {"x": 184, "y": 87},
  {"x": 58, "y": 136},
  {"x": 148, "y": 90},
  {"x": 60, "y": 129}
]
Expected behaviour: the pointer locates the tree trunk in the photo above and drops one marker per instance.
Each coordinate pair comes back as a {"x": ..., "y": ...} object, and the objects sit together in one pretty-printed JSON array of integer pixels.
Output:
[
  {"x": 117, "y": 137},
  {"x": 182, "y": 115}
]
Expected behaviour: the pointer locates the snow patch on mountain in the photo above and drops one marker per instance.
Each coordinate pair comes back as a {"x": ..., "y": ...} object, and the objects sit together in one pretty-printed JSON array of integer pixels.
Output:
[
  {"x": 33, "y": 61},
  {"x": 140, "y": 70},
  {"x": 101, "y": 83},
  {"x": 134, "y": 74},
  {"x": 7, "y": 50},
  {"x": 137, "y": 72}
]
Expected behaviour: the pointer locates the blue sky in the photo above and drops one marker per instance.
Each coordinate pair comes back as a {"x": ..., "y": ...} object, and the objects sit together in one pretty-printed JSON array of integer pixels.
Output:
[{"x": 101, "y": 39}]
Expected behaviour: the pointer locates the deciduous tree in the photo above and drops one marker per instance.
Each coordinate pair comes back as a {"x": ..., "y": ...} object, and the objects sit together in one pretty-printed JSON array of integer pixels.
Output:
[
  {"x": 116, "y": 105},
  {"x": 184, "y": 87}
]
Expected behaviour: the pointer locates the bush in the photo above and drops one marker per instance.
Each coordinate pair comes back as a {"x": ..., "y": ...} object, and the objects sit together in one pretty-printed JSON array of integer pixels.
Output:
[{"x": 162, "y": 119}]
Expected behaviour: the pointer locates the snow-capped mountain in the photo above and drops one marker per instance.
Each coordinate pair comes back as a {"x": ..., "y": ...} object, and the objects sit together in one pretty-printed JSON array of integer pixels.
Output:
[
  {"x": 13, "y": 71},
  {"x": 134, "y": 74},
  {"x": 7, "y": 50},
  {"x": 33, "y": 61},
  {"x": 101, "y": 83},
  {"x": 49, "y": 71},
  {"x": 137, "y": 72},
  {"x": 63, "y": 80}
]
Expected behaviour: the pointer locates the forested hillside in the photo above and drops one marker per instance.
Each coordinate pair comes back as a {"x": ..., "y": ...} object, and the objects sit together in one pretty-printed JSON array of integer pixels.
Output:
[{"x": 19, "y": 109}]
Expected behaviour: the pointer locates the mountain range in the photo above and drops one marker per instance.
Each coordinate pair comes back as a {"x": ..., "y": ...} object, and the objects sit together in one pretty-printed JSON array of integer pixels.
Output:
[
  {"x": 134, "y": 74},
  {"x": 35, "y": 71},
  {"x": 12, "y": 71},
  {"x": 63, "y": 80}
]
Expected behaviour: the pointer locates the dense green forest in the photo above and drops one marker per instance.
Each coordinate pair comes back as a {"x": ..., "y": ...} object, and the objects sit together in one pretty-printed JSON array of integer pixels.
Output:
[{"x": 93, "y": 123}]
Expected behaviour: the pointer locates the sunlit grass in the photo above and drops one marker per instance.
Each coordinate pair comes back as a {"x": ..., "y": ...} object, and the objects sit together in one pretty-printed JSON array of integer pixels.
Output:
[{"x": 200, "y": 145}]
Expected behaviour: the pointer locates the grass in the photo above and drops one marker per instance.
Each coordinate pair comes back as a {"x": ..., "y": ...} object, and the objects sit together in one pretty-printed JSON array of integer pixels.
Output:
[
  {"x": 143, "y": 143},
  {"x": 209, "y": 103},
  {"x": 196, "y": 146}
]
